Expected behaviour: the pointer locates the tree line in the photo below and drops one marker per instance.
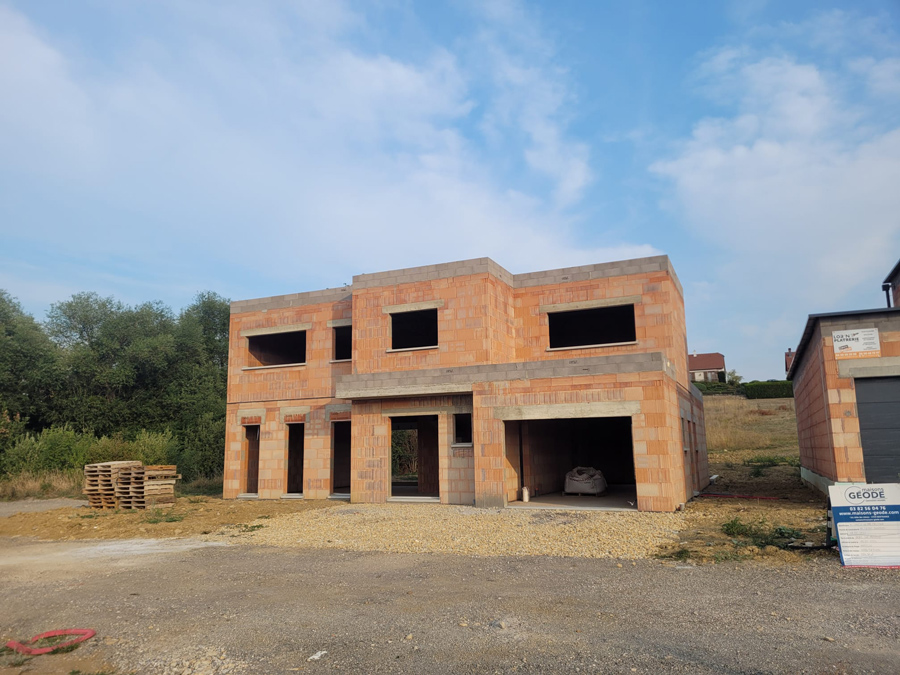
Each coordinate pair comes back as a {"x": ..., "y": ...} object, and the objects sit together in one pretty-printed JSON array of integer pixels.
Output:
[{"x": 100, "y": 380}]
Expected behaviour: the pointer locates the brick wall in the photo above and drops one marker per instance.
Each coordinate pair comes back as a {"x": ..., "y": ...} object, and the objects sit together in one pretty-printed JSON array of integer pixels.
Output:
[{"x": 827, "y": 417}]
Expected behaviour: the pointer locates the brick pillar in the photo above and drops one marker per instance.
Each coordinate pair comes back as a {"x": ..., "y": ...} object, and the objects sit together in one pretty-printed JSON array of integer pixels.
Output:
[
  {"x": 317, "y": 455},
  {"x": 487, "y": 437},
  {"x": 272, "y": 456},
  {"x": 370, "y": 456}
]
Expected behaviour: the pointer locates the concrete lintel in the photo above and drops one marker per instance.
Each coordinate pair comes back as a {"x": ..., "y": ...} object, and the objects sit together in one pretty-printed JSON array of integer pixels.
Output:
[
  {"x": 437, "y": 410},
  {"x": 349, "y": 392},
  {"x": 568, "y": 410},
  {"x": 412, "y": 306},
  {"x": 270, "y": 330},
  {"x": 292, "y": 410},
  {"x": 339, "y": 323},
  {"x": 884, "y": 366},
  {"x": 252, "y": 412},
  {"x": 592, "y": 304}
]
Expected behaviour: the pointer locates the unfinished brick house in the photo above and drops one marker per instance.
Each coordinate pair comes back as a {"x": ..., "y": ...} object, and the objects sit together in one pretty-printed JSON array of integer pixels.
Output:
[
  {"x": 846, "y": 377},
  {"x": 507, "y": 381}
]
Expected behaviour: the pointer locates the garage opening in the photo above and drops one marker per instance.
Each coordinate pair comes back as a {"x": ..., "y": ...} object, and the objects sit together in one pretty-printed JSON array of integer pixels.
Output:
[
  {"x": 340, "y": 459},
  {"x": 251, "y": 449},
  {"x": 540, "y": 454},
  {"x": 877, "y": 402},
  {"x": 412, "y": 330},
  {"x": 414, "y": 458},
  {"x": 278, "y": 349},
  {"x": 590, "y": 327},
  {"x": 295, "y": 459}
]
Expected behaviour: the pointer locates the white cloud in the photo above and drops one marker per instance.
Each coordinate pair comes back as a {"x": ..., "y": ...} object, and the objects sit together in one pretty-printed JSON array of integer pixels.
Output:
[
  {"x": 269, "y": 142},
  {"x": 797, "y": 179},
  {"x": 795, "y": 187}
]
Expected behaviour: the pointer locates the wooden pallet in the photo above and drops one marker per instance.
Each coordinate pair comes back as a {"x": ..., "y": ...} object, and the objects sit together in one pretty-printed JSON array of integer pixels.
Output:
[{"x": 129, "y": 485}]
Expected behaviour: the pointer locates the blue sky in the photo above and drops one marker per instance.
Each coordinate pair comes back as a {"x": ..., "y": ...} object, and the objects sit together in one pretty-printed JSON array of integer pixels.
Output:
[{"x": 150, "y": 150}]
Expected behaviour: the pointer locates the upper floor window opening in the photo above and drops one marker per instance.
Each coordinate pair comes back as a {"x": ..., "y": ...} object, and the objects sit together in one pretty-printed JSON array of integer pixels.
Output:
[
  {"x": 343, "y": 343},
  {"x": 592, "y": 327},
  {"x": 278, "y": 349},
  {"x": 411, "y": 330}
]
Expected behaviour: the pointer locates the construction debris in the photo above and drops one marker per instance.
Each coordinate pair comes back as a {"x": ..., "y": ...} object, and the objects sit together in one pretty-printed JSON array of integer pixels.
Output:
[{"x": 129, "y": 485}]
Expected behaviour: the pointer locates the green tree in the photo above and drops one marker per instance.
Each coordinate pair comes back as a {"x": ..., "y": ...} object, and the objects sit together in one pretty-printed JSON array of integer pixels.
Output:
[
  {"x": 28, "y": 364},
  {"x": 734, "y": 378}
]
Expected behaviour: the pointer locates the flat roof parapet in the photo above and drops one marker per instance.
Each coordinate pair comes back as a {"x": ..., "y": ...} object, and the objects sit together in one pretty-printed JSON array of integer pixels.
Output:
[{"x": 649, "y": 265}]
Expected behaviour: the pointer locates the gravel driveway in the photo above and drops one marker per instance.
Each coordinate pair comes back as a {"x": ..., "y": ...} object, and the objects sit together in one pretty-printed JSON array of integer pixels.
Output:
[{"x": 186, "y": 606}]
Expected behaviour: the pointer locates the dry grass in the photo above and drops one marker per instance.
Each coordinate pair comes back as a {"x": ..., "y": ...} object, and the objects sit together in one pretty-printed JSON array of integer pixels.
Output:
[
  {"x": 740, "y": 427},
  {"x": 41, "y": 485}
]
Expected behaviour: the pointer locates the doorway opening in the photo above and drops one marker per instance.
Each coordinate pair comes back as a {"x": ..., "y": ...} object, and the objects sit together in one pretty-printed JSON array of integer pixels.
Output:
[
  {"x": 414, "y": 458},
  {"x": 340, "y": 463},
  {"x": 295, "y": 459},
  {"x": 251, "y": 448}
]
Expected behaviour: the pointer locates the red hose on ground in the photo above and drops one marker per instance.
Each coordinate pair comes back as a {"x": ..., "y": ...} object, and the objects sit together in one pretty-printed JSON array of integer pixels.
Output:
[
  {"x": 82, "y": 633},
  {"x": 720, "y": 494}
]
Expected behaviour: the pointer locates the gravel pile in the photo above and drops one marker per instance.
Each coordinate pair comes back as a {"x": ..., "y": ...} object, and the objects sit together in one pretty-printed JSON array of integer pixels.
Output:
[{"x": 430, "y": 528}]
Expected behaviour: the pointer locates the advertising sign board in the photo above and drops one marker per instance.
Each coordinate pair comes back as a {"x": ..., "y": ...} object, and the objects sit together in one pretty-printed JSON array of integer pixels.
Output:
[
  {"x": 862, "y": 343},
  {"x": 867, "y": 521}
]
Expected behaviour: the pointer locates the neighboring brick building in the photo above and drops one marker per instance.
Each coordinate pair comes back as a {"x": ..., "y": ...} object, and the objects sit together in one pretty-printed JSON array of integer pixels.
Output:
[
  {"x": 846, "y": 377},
  {"x": 509, "y": 381},
  {"x": 706, "y": 367}
]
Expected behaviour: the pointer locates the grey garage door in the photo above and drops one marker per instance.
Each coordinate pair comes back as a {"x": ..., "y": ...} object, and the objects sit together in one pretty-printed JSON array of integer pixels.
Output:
[{"x": 878, "y": 403}]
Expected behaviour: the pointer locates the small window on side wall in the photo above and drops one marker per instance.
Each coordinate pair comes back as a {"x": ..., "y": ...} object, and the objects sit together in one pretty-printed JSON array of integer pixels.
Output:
[
  {"x": 411, "y": 330},
  {"x": 343, "y": 343},
  {"x": 592, "y": 327},
  {"x": 462, "y": 428},
  {"x": 279, "y": 349}
]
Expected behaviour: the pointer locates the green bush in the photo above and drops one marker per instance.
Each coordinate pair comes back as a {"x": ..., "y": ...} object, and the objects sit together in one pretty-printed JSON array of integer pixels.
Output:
[
  {"x": 779, "y": 389},
  {"x": 62, "y": 448},
  {"x": 716, "y": 388}
]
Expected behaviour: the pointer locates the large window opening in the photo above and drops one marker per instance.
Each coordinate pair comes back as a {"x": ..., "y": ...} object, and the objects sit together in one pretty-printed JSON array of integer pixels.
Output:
[
  {"x": 340, "y": 466},
  {"x": 414, "y": 458},
  {"x": 410, "y": 330},
  {"x": 343, "y": 343},
  {"x": 295, "y": 459},
  {"x": 543, "y": 452},
  {"x": 279, "y": 349},
  {"x": 251, "y": 448},
  {"x": 590, "y": 327}
]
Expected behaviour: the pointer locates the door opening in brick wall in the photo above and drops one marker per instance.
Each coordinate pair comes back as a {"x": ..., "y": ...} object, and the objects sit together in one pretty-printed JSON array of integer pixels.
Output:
[
  {"x": 295, "y": 459},
  {"x": 550, "y": 449},
  {"x": 413, "y": 330},
  {"x": 590, "y": 327},
  {"x": 251, "y": 461},
  {"x": 340, "y": 454},
  {"x": 414, "y": 457},
  {"x": 278, "y": 349}
]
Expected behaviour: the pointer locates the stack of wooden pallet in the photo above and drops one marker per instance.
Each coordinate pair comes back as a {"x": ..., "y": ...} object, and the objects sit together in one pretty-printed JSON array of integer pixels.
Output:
[
  {"x": 159, "y": 484},
  {"x": 100, "y": 481},
  {"x": 129, "y": 485}
]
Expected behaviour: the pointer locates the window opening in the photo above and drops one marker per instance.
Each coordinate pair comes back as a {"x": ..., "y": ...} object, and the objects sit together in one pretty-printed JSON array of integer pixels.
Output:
[
  {"x": 295, "y": 459},
  {"x": 462, "y": 428},
  {"x": 414, "y": 329},
  {"x": 343, "y": 343},
  {"x": 588, "y": 327},
  {"x": 279, "y": 349},
  {"x": 251, "y": 446}
]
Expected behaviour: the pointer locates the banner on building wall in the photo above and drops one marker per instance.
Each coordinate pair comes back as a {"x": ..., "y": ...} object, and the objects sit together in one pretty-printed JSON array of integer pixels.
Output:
[
  {"x": 862, "y": 343},
  {"x": 867, "y": 522}
]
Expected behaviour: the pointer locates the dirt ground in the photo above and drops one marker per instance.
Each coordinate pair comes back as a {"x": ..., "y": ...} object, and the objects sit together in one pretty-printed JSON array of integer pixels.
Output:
[{"x": 167, "y": 607}]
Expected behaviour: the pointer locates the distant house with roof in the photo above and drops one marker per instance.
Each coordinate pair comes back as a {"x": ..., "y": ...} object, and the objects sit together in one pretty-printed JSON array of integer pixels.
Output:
[{"x": 706, "y": 367}]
